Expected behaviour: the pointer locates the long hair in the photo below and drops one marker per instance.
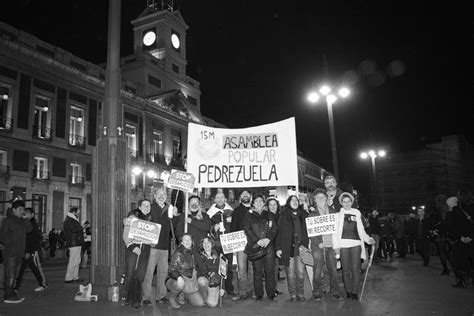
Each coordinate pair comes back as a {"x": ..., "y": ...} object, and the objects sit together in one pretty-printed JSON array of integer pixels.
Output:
[
  {"x": 288, "y": 200},
  {"x": 273, "y": 199},
  {"x": 213, "y": 249},
  {"x": 465, "y": 197}
]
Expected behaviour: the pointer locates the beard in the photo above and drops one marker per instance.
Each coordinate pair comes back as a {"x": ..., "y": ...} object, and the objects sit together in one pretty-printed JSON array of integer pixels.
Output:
[{"x": 246, "y": 200}]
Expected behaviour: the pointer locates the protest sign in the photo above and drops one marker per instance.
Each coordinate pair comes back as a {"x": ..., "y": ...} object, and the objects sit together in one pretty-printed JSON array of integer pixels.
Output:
[
  {"x": 257, "y": 156},
  {"x": 233, "y": 242},
  {"x": 321, "y": 225},
  {"x": 180, "y": 180},
  {"x": 144, "y": 231}
]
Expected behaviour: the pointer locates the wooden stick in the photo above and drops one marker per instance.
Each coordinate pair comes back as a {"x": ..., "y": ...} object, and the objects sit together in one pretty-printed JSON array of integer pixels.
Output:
[
  {"x": 367, "y": 271},
  {"x": 138, "y": 257}
]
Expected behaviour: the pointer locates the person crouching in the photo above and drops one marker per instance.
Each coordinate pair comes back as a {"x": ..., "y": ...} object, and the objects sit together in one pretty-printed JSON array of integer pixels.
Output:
[
  {"x": 182, "y": 275},
  {"x": 209, "y": 279}
]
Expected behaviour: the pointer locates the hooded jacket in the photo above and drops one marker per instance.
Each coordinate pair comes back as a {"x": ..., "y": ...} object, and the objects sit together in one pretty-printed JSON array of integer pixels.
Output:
[
  {"x": 73, "y": 231},
  {"x": 13, "y": 235}
]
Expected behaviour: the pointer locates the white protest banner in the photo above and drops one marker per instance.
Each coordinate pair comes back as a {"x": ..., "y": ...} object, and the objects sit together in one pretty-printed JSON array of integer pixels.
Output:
[
  {"x": 144, "y": 231},
  {"x": 321, "y": 225},
  {"x": 257, "y": 156},
  {"x": 180, "y": 180},
  {"x": 233, "y": 242}
]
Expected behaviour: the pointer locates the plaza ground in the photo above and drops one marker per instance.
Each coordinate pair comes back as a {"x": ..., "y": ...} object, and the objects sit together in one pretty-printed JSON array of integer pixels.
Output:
[{"x": 401, "y": 287}]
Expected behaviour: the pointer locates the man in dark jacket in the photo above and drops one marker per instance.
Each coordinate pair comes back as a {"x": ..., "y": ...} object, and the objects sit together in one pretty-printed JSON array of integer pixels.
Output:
[
  {"x": 13, "y": 239},
  {"x": 32, "y": 258},
  {"x": 199, "y": 222},
  {"x": 422, "y": 240},
  {"x": 374, "y": 231},
  {"x": 159, "y": 254},
  {"x": 74, "y": 237},
  {"x": 245, "y": 270},
  {"x": 333, "y": 192},
  {"x": 52, "y": 242},
  {"x": 411, "y": 227}
]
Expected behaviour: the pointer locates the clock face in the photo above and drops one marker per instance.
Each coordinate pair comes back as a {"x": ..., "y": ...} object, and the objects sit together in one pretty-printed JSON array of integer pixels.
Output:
[
  {"x": 149, "y": 38},
  {"x": 175, "y": 41}
]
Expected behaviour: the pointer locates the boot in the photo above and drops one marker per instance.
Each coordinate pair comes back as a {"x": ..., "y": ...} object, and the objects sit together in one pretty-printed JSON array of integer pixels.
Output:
[{"x": 174, "y": 300}]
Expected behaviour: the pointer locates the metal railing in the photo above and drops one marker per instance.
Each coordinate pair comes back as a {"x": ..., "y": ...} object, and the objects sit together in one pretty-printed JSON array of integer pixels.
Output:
[
  {"x": 5, "y": 123},
  {"x": 42, "y": 132},
  {"x": 77, "y": 141},
  {"x": 77, "y": 180},
  {"x": 40, "y": 174}
]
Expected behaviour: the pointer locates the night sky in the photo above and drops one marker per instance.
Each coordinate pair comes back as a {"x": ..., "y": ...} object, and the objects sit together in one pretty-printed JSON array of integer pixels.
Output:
[{"x": 409, "y": 66}]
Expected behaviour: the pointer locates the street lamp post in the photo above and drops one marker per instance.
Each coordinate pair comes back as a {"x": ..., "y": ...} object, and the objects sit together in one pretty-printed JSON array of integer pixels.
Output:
[
  {"x": 373, "y": 154},
  {"x": 330, "y": 98}
]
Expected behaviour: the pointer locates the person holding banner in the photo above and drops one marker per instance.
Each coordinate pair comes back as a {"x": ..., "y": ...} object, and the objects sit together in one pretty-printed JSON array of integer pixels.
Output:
[
  {"x": 182, "y": 275},
  {"x": 221, "y": 217},
  {"x": 136, "y": 256},
  {"x": 245, "y": 270},
  {"x": 199, "y": 222},
  {"x": 209, "y": 279},
  {"x": 159, "y": 253},
  {"x": 261, "y": 228},
  {"x": 291, "y": 236},
  {"x": 323, "y": 252},
  {"x": 349, "y": 242}
]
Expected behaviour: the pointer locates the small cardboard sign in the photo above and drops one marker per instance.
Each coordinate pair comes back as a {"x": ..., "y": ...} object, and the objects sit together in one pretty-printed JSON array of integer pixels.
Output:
[
  {"x": 180, "y": 180},
  {"x": 233, "y": 242},
  {"x": 144, "y": 231},
  {"x": 321, "y": 225}
]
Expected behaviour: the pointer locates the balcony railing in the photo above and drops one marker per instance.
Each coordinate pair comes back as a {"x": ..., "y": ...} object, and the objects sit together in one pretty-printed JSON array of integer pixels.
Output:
[
  {"x": 42, "y": 132},
  {"x": 40, "y": 174},
  {"x": 77, "y": 141},
  {"x": 5, "y": 123},
  {"x": 4, "y": 171},
  {"x": 76, "y": 180}
]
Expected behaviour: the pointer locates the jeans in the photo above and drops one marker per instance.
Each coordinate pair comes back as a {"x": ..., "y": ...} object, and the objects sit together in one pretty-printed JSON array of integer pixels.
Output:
[
  {"x": 35, "y": 266},
  {"x": 194, "y": 299},
  {"x": 159, "y": 259},
  {"x": 325, "y": 257},
  {"x": 135, "y": 273},
  {"x": 350, "y": 261},
  {"x": 244, "y": 273},
  {"x": 12, "y": 264},
  {"x": 210, "y": 295},
  {"x": 264, "y": 265},
  {"x": 295, "y": 277},
  {"x": 72, "y": 272}
]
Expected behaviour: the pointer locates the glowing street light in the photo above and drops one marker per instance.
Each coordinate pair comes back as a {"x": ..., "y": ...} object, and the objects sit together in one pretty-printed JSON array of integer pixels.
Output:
[
  {"x": 373, "y": 154},
  {"x": 314, "y": 97}
]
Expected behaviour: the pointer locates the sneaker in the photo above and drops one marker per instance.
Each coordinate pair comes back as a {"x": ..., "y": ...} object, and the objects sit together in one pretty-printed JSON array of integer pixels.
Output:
[
  {"x": 40, "y": 288},
  {"x": 240, "y": 297},
  {"x": 317, "y": 297},
  {"x": 14, "y": 300}
]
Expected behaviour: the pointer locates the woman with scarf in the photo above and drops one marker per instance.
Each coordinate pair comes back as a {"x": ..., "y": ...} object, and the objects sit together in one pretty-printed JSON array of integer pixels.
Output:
[
  {"x": 209, "y": 279},
  {"x": 182, "y": 275},
  {"x": 136, "y": 256},
  {"x": 349, "y": 242},
  {"x": 260, "y": 228},
  {"x": 290, "y": 238}
]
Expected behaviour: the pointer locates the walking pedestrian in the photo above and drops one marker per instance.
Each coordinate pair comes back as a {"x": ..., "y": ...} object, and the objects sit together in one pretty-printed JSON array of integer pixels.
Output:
[
  {"x": 349, "y": 242},
  {"x": 86, "y": 247},
  {"x": 290, "y": 237},
  {"x": 440, "y": 230},
  {"x": 411, "y": 228},
  {"x": 13, "y": 239},
  {"x": 400, "y": 235},
  {"x": 260, "y": 228},
  {"x": 74, "y": 237},
  {"x": 422, "y": 236},
  {"x": 136, "y": 256},
  {"x": 32, "y": 257}
]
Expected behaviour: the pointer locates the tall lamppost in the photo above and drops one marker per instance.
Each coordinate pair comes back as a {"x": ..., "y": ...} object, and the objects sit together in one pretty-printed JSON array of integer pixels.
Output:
[
  {"x": 373, "y": 154},
  {"x": 331, "y": 98}
]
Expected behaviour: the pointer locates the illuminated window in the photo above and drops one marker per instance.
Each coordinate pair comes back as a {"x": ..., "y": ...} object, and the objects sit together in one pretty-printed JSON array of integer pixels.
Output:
[
  {"x": 76, "y": 126},
  {"x": 42, "y": 119},
  {"x": 41, "y": 168}
]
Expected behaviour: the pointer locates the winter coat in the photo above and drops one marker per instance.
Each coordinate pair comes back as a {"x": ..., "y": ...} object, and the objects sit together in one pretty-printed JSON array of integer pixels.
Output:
[
  {"x": 73, "y": 232},
  {"x": 13, "y": 236},
  {"x": 181, "y": 263},
  {"x": 33, "y": 238},
  {"x": 238, "y": 217},
  {"x": 284, "y": 238},
  {"x": 364, "y": 238},
  {"x": 208, "y": 267},
  {"x": 259, "y": 226},
  {"x": 160, "y": 216},
  {"x": 461, "y": 226},
  {"x": 374, "y": 225},
  {"x": 198, "y": 228}
]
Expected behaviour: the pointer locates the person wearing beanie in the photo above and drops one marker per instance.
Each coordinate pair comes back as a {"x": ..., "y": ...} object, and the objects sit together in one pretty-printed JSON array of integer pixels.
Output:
[{"x": 198, "y": 221}]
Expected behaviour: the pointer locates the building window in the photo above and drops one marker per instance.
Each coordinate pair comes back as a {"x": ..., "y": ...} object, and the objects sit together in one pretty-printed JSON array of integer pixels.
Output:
[
  {"x": 131, "y": 136},
  {"x": 41, "y": 170},
  {"x": 154, "y": 81},
  {"x": 39, "y": 207},
  {"x": 207, "y": 193},
  {"x": 76, "y": 127},
  {"x": 176, "y": 147},
  {"x": 175, "y": 68},
  {"x": 76, "y": 174},
  {"x": 4, "y": 169},
  {"x": 5, "y": 107},
  {"x": 157, "y": 146},
  {"x": 42, "y": 120}
]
